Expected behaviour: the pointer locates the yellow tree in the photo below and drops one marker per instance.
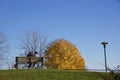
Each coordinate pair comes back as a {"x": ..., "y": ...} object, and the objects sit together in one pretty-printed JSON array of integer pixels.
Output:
[{"x": 61, "y": 54}]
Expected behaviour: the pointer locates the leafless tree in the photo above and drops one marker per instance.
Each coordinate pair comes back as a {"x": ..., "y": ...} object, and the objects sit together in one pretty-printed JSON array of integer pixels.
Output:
[
  {"x": 3, "y": 46},
  {"x": 10, "y": 63},
  {"x": 32, "y": 42}
]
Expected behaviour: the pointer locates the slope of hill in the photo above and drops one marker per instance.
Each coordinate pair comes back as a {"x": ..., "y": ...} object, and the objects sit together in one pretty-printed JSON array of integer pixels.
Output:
[{"x": 48, "y": 74}]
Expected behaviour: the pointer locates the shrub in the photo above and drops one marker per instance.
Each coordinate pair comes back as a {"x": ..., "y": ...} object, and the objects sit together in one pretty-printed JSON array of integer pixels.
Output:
[{"x": 112, "y": 76}]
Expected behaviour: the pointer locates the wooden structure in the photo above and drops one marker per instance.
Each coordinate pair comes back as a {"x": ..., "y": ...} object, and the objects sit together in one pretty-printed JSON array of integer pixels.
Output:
[{"x": 24, "y": 60}]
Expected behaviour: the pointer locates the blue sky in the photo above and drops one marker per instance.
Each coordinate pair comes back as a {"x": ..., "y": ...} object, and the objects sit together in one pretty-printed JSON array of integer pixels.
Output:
[{"x": 85, "y": 23}]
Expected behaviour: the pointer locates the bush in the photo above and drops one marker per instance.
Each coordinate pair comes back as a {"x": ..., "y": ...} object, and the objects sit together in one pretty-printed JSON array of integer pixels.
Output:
[{"x": 112, "y": 76}]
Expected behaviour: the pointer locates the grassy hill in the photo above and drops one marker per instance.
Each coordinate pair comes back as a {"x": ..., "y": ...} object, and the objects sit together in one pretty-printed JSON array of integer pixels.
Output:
[{"x": 46, "y": 74}]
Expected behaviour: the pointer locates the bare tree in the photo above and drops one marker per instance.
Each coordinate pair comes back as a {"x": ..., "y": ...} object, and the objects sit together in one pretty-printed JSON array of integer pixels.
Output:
[
  {"x": 10, "y": 63},
  {"x": 3, "y": 46},
  {"x": 33, "y": 42}
]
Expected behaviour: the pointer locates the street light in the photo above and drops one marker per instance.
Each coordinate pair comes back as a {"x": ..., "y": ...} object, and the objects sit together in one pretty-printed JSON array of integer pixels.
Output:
[{"x": 104, "y": 43}]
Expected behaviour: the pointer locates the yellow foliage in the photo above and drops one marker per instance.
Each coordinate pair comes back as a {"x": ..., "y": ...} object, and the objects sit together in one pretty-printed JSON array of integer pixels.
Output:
[{"x": 61, "y": 54}]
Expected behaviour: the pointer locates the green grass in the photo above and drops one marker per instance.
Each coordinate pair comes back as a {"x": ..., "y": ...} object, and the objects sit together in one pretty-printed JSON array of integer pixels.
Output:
[{"x": 47, "y": 74}]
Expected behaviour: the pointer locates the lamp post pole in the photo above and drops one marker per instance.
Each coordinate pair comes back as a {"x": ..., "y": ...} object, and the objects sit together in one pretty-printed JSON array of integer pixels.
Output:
[{"x": 104, "y": 46}]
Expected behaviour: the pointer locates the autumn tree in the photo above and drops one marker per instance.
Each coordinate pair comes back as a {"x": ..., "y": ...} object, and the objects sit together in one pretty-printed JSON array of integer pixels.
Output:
[
  {"x": 33, "y": 42},
  {"x": 3, "y": 46},
  {"x": 61, "y": 54}
]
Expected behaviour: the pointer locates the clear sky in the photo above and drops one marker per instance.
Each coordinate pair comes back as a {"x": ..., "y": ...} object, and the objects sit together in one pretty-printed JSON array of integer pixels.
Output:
[{"x": 85, "y": 23}]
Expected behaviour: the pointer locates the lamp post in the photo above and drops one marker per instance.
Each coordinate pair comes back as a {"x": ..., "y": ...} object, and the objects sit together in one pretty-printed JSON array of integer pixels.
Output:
[{"x": 104, "y": 43}]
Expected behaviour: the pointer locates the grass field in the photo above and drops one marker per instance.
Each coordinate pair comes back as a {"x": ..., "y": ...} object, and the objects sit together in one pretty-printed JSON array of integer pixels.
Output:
[{"x": 46, "y": 74}]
